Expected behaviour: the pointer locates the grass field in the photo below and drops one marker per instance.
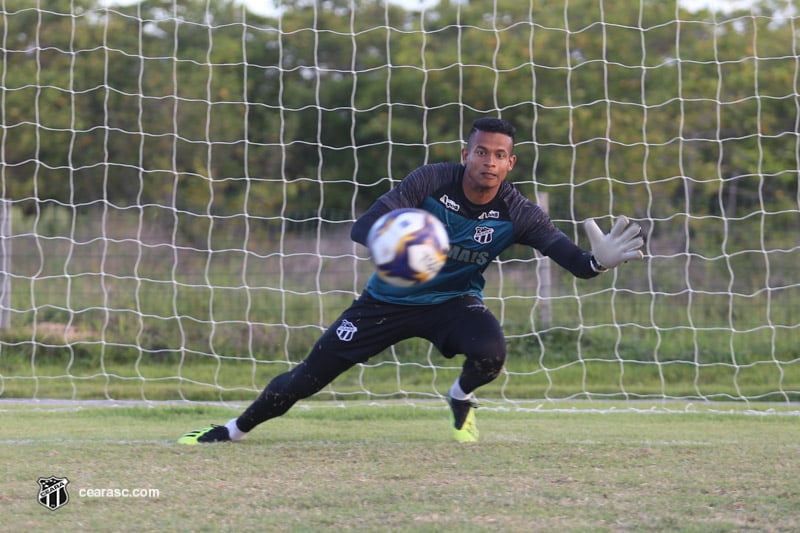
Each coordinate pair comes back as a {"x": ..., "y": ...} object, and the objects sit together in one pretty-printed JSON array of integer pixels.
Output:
[{"x": 393, "y": 468}]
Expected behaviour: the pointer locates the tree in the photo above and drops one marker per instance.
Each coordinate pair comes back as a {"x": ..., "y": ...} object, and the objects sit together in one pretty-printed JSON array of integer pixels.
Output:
[{"x": 185, "y": 106}]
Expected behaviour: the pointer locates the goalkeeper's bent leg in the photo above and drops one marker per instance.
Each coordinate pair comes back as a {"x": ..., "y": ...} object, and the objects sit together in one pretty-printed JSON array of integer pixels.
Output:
[
  {"x": 306, "y": 379},
  {"x": 484, "y": 362}
]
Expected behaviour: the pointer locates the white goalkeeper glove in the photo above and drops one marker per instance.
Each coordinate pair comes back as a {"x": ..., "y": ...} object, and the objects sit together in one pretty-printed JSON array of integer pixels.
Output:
[{"x": 622, "y": 243}]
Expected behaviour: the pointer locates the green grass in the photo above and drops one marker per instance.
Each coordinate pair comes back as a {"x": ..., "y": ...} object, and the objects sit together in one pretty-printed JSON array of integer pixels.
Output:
[{"x": 393, "y": 468}]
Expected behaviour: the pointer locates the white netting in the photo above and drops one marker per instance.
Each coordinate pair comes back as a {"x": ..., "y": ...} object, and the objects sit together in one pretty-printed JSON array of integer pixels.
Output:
[{"x": 180, "y": 179}]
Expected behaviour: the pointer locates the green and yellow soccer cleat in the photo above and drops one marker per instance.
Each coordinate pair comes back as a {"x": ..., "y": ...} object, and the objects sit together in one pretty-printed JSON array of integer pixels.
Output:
[
  {"x": 212, "y": 433},
  {"x": 464, "y": 427}
]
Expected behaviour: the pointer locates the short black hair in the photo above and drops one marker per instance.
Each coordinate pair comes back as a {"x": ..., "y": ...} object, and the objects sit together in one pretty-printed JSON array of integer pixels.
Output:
[{"x": 492, "y": 125}]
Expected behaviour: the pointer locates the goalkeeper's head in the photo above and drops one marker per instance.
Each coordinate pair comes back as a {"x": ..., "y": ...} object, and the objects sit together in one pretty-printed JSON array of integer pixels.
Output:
[{"x": 492, "y": 125}]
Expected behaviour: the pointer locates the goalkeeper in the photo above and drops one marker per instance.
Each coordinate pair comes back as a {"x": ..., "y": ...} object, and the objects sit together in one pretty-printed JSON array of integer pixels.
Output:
[{"x": 484, "y": 215}]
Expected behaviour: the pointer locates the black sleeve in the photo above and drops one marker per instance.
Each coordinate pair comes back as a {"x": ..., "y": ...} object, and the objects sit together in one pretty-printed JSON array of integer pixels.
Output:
[
  {"x": 361, "y": 227},
  {"x": 571, "y": 257},
  {"x": 536, "y": 229},
  {"x": 410, "y": 192}
]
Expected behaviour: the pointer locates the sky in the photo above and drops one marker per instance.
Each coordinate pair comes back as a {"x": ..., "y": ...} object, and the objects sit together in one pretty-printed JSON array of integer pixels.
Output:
[{"x": 267, "y": 8}]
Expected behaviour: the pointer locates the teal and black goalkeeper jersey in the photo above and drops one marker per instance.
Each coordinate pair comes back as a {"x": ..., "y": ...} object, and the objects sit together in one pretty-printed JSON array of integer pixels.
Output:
[{"x": 478, "y": 234}]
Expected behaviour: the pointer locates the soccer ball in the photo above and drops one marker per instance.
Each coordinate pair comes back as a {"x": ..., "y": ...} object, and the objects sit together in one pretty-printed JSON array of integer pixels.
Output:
[{"x": 408, "y": 246}]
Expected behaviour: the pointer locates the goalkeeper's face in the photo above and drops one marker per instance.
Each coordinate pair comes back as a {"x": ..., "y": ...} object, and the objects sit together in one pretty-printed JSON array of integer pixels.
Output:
[{"x": 488, "y": 159}]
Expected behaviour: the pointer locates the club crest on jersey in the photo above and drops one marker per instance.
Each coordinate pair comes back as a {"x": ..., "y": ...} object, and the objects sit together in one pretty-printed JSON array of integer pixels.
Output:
[
  {"x": 346, "y": 331},
  {"x": 483, "y": 234},
  {"x": 53, "y": 492}
]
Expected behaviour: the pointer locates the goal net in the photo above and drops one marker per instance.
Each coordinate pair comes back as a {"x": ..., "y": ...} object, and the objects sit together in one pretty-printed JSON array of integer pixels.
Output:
[{"x": 179, "y": 180}]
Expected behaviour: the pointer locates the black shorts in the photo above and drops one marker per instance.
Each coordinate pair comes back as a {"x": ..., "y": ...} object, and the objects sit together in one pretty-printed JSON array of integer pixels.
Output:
[{"x": 463, "y": 325}]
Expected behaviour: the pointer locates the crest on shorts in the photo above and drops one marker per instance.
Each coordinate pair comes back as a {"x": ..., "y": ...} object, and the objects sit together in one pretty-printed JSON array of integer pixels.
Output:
[
  {"x": 53, "y": 492},
  {"x": 346, "y": 330}
]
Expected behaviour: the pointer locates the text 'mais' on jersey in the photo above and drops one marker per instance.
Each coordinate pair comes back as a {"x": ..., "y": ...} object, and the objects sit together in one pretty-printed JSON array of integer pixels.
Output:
[{"x": 478, "y": 234}]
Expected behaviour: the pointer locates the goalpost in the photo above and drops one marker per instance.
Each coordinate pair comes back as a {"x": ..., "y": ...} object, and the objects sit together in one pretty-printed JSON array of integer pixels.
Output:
[{"x": 182, "y": 178}]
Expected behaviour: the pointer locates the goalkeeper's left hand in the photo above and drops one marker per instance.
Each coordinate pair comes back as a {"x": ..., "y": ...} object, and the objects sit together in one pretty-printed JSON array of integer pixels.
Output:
[{"x": 622, "y": 243}]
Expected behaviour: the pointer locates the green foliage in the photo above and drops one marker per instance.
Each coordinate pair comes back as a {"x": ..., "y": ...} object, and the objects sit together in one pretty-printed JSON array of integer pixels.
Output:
[{"x": 121, "y": 111}]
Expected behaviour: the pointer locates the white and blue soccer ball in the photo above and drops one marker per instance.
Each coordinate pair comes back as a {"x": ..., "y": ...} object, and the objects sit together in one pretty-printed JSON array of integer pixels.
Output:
[{"x": 408, "y": 246}]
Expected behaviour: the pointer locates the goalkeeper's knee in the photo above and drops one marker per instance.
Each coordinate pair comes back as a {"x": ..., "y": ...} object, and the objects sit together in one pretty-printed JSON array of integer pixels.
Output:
[
  {"x": 491, "y": 366},
  {"x": 482, "y": 367}
]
